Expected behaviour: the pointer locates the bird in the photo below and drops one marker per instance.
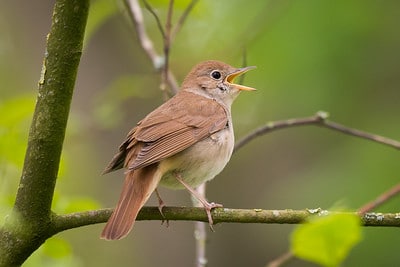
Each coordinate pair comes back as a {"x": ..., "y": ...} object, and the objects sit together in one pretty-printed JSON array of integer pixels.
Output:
[{"x": 183, "y": 143}]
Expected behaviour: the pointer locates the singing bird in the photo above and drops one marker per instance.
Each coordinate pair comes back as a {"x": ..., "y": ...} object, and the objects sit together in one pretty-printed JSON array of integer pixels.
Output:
[{"x": 183, "y": 143}]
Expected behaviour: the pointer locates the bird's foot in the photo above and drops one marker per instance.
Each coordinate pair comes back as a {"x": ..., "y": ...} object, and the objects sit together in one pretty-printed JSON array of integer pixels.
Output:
[{"x": 161, "y": 205}]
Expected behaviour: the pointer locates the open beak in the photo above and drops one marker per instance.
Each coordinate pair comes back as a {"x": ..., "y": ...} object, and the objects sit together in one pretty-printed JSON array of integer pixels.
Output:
[{"x": 237, "y": 73}]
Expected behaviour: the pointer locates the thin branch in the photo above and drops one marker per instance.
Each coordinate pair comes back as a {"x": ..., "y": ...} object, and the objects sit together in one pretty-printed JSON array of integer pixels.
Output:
[
  {"x": 320, "y": 119},
  {"x": 183, "y": 18},
  {"x": 361, "y": 134},
  {"x": 156, "y": 17},
  {"x": 167, "y": 46},
  {"x": 392, "y": 192},
  {"x": 136, "y": 15},
  {"x": 158, "y": 61},
  {"x": 282, "y": 259},
  {"x": 200, "y": 231}
]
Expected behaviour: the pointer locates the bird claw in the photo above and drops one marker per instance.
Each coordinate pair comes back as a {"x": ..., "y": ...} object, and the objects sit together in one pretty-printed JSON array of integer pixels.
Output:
[
  {"x": 208, "y": 207},
  {"x": 161, "y": 205}
]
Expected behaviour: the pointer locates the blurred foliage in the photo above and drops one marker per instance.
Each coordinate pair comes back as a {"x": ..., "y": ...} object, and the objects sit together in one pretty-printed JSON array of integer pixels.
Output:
[
  {"x": 14, "y": 122},
  {"x": 338, "y": 56},
  {"x": 326, "y": 240},
  {"x": 56, "y": 252}
]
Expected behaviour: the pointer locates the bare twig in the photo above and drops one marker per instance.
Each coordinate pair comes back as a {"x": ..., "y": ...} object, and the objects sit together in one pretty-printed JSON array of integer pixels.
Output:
[
  {"x": 282, "y": 259},
  {"x": 182, "y": 18},
  {"x": 394, "y": 191},
  {"x": 136, "y": 15},
  {"x": 320, "y": 119},
  {"x": 200, "y": 232},
  {"x": 156, "y": 17},
  {"x": 167, "y": 46}
]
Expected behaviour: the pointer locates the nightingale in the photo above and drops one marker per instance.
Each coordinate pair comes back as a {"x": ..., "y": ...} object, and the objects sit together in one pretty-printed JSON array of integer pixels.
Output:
[{"x": 183, "y": 143}]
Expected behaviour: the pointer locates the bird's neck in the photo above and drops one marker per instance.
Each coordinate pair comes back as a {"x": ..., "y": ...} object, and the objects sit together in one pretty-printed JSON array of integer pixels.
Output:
[{"x": 226, "y": 103}]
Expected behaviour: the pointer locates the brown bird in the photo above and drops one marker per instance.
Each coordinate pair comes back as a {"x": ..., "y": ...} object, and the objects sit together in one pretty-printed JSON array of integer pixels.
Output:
[{"x": 183, "y": 143}]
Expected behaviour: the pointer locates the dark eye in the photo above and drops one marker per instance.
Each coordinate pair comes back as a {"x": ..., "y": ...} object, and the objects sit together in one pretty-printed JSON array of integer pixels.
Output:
[{"x": 216, "y": 74}]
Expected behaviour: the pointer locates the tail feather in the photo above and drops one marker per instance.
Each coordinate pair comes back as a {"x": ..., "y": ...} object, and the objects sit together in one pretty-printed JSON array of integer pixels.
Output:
[{"x": 137, "y": 188}]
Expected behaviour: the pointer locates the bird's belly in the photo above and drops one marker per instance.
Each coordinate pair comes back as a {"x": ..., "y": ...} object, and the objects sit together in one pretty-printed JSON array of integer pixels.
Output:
[{"x": 199, "y": 163}]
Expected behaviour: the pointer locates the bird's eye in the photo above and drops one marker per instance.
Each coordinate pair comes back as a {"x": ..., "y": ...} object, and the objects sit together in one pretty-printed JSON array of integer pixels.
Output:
[{"x": 216, "y": 74}]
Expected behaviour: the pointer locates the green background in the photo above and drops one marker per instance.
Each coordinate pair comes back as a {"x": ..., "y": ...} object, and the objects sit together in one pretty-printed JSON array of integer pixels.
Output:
[{"x": 338, "y": 56}]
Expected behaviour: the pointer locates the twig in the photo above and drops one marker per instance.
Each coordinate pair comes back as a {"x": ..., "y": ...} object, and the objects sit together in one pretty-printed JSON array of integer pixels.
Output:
[
  {"x": 156, "y": 17},
  {"x": 320, "y": 119},
  {"x": 136, "y": 15},
  {"x": 284, "y": 258},
  {"x": 182, "y": 18},
  {"x": 200, "y": 233},
  {"x": 395, "y": 190},
  {"x": 167, "y": 46}
]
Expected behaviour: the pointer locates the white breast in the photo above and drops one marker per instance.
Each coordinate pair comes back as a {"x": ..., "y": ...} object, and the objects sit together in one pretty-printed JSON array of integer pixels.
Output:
[{"x": 201, "y": 162}]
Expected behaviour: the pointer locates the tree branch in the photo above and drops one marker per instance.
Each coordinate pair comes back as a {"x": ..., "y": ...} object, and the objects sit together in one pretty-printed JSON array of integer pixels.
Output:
[
  {"x": 220, "y": 215},
  {"x": 136, "y": 16},
  {"x": 27, "y": 228},
  {"x": 319, "y": 119}
]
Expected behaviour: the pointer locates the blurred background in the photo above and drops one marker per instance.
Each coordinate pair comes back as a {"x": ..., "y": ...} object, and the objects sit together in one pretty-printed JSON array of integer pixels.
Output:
[{"x": 337, "y": 56}]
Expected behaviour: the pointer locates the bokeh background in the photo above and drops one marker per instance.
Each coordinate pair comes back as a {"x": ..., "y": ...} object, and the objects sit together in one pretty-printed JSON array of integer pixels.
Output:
[{"x": 338, "y": 56}]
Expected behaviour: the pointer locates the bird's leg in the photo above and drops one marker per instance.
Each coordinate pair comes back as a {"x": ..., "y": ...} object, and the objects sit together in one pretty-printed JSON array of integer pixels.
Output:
[
  {"x": 161, "y": 205},
  {"x": 207, "y": 205}
]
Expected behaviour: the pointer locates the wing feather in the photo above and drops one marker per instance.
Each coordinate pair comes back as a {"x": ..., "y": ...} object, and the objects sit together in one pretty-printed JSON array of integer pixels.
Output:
[{"x": 170, "y": 129}]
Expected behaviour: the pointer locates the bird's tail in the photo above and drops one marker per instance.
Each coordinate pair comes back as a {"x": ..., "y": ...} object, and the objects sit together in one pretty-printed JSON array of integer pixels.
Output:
[{"x": 137, "y": 188}]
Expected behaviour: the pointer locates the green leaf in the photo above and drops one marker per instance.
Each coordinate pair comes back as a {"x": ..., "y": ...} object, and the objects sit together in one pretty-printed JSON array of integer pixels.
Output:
[{"x": 326, "y": 240}]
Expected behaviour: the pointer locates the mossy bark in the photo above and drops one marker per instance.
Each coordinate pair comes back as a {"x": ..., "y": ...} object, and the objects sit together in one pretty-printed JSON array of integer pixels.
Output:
[{"x": 30, "y": 223}]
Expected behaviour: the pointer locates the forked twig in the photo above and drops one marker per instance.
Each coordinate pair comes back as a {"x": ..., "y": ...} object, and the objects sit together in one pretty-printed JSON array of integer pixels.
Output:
[
  {"x": 136, "y": 16},
  {"x": 146, "y": 43}
]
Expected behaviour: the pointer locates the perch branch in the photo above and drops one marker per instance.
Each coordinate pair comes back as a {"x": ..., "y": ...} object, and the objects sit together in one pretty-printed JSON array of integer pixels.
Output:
[{"x": 220, "y": 215}]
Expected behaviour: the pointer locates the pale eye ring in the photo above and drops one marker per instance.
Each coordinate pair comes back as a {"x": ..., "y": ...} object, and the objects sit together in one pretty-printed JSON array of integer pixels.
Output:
[{"x": 215, "y": 74}]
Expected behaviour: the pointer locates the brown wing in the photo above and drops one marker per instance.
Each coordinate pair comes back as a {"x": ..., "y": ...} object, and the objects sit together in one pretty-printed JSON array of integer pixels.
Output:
[{"x": 171, "y": 128}]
